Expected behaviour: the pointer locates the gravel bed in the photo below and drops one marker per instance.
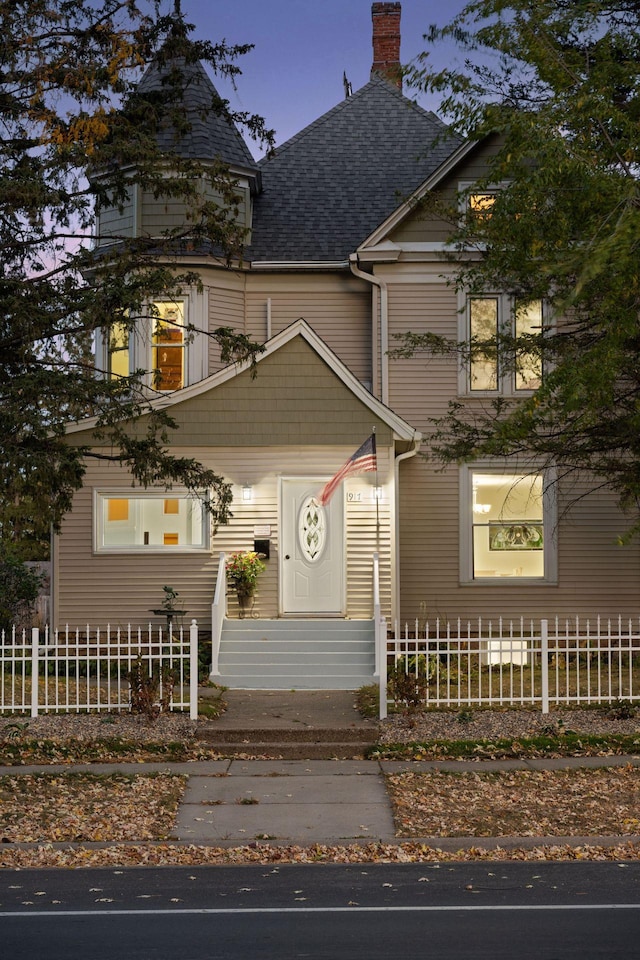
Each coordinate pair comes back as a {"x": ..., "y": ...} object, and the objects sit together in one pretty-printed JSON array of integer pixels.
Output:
[
  {"x": 166, "y": 729},
  {"x": 493, "y": 724},
  {"x": 400, "y": 728}
]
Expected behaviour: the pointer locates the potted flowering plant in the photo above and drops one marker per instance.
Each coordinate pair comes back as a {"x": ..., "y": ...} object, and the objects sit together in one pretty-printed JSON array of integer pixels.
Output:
[{"x": 243, "y": 570}]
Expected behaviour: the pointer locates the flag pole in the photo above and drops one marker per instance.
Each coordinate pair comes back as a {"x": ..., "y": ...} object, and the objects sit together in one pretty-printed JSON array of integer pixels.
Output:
[{"x": 376, "y": 491}]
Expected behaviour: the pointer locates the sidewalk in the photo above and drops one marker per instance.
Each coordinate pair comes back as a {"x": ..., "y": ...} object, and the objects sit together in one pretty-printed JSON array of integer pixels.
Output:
[{"x": 237, "y": 802}]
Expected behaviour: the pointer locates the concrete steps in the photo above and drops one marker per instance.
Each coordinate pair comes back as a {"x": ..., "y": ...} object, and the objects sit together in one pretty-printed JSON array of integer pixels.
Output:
[
  {"x": 251, "y": 745},
  {"x": 296, "y": 654},
  {"x": 292, "y": 725}
]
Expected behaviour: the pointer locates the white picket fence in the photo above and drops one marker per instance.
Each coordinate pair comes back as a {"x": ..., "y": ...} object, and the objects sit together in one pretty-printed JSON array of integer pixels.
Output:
[
  {"x": 86, "y": 670},
  {"x": 499, "y": 663}
]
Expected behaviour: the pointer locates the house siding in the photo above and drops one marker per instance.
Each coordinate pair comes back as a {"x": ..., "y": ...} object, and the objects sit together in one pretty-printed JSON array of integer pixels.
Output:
[
  {"x": 225, "y": 294},
  {"x": 294, "y": 398},
  {"x": 113, "y": 222},
  {"x": 337, "y": 306},
  {"x": 122, "y": 588},
  {"x": 594, "y": 574}
]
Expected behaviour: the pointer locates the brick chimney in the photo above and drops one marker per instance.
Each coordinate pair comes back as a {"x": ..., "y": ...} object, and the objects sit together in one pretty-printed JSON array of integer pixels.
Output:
[{"x": 386, "y": 42}]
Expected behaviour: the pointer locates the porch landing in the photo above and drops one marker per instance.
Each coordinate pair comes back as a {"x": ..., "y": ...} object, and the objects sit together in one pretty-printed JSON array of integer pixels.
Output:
[{"x": 296, "y": 654}]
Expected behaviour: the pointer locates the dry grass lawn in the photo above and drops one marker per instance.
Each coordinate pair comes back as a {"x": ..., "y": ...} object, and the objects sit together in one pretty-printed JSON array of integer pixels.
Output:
[
  {"x": 517, "y": 803},
  {"x": 84, "y": 807}
]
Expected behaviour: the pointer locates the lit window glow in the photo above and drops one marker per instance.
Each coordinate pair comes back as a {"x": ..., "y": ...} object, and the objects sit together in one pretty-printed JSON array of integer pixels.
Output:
[
  {"x": 168, "y": 345},
  {"x": 508, "y": 533},
  {"x": 145, "y": 523}
]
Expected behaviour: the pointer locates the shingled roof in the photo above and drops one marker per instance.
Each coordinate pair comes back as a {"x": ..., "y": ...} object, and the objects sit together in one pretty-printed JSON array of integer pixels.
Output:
[
  {"x": 212, "y": 133},
  {"x": 327, "y": 188}
]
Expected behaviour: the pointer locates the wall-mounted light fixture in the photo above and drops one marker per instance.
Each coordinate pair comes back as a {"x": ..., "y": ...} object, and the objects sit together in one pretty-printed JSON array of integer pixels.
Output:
[
  {"x": 376, "y": 493},
  {"x": 247, "y": 493}
]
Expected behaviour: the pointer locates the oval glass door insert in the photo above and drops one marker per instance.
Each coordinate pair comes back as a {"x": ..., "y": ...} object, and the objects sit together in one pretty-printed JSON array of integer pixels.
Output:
[{"x": 312, "y": 529}]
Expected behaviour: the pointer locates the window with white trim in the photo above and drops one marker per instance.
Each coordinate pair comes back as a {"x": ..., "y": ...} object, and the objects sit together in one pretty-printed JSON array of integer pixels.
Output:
[
  {"x": 168, "y": 348},
  {"x": 160, "y": 343},
  {"x": 149, "y": 522},
  {"x": 487, "y": 319},
  {"x": 507, "y": 525}
]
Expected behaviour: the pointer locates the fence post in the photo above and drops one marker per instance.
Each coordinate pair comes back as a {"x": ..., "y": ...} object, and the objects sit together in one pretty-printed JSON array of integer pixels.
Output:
[
  {"x": 544, "y": 664},
  {"x": 193, "y": 670},
  {"x": 35, "y": 670}
]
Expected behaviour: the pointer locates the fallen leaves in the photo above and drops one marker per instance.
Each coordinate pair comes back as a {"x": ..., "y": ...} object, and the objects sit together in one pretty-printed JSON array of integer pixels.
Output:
[
  {"x": 83, "y": 807},
  {"x": 517, "y": 803},
  {"x": 164, "y": 854}
]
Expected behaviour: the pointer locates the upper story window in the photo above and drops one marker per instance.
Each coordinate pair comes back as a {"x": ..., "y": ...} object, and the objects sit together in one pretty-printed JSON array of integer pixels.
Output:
[
  {"x": 481, "y": 204},
  {"x": 166, "y": 341},
  {"x": 168, "y": 344},
  {"x": 117, "y": 349},
  {"x": 491, "y": 323}
]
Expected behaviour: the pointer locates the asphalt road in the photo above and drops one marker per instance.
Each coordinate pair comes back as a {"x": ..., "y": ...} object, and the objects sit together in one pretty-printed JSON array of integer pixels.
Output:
[{"x": 546, "y": 911}]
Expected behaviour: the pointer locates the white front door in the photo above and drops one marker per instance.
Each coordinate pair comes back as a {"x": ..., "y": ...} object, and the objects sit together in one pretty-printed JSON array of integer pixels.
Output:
[{"x": 311, "y": 550}]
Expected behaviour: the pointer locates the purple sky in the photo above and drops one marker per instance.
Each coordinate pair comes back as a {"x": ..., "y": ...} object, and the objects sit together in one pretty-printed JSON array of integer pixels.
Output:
[{"x": 302, "y": 47}]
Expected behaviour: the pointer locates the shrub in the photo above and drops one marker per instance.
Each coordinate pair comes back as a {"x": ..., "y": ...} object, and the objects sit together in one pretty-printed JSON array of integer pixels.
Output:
[
  {"x": 19, "y": 589},
  {"x": 151, "y": 692}
]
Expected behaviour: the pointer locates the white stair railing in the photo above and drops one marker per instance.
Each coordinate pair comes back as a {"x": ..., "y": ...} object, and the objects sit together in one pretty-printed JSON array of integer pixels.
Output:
[{"x": 218, "y": 613}]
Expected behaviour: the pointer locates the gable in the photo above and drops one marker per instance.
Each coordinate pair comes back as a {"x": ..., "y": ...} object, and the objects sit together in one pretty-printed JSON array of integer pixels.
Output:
[
  {"x": 412, "y": 222},
  {"x": 295, "y": 399}
]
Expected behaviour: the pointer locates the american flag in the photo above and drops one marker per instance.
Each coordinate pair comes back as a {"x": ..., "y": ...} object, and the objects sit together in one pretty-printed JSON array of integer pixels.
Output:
[{"x": 362, "y": 461}]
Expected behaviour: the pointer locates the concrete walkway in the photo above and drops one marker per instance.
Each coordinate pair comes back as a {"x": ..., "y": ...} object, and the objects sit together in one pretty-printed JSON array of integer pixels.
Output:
[{"x": 237, "y": 802}]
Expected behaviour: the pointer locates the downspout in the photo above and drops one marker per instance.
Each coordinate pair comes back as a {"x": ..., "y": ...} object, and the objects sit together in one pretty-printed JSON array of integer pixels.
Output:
[
  {"x": 395, "y": 594},
  {"x": 384, "y": 325}
]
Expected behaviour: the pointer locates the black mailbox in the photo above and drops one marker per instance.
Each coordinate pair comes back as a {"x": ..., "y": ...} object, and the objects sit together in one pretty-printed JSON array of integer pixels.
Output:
[{"x": 262, "y": 547}]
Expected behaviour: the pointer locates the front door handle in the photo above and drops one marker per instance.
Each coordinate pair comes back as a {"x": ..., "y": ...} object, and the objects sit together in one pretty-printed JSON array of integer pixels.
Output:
[{"x": 287, "y": 557}]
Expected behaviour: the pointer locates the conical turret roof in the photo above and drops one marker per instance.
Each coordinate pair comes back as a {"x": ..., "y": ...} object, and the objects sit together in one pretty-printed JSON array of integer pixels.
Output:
[{"x": 210, "y": 131}]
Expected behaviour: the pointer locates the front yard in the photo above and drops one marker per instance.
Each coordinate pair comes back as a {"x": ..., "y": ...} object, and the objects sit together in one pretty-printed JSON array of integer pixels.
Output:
[{"x": 86, "y": 819}]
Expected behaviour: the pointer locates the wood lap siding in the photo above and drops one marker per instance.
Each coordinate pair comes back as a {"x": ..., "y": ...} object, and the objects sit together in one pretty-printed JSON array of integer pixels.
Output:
[
  {"x": 420, "y": 387},
  {"x": 136, "y": 580},
  {"x": 592, "y": 569},
  {"x": 114, "y": 223},
  {"x": 226, "y": 309},
  {"x": 338, "y": 308}
]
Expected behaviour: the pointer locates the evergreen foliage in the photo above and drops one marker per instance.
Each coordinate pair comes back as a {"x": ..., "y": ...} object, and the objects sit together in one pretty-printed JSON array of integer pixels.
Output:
[{"x": 77, "y": 133}]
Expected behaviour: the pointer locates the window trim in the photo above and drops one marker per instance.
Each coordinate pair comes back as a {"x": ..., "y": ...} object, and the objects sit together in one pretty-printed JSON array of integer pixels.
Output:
[
  {"x": 196, "y": 359},
  {"x": 506, "y": 383},
  {"x": 549, "y": 519},
  {"x": 127, "y": 493}
]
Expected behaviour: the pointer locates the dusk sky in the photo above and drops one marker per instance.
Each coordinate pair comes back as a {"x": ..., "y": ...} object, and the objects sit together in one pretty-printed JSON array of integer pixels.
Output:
[{"x": 302, "y": 47}]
